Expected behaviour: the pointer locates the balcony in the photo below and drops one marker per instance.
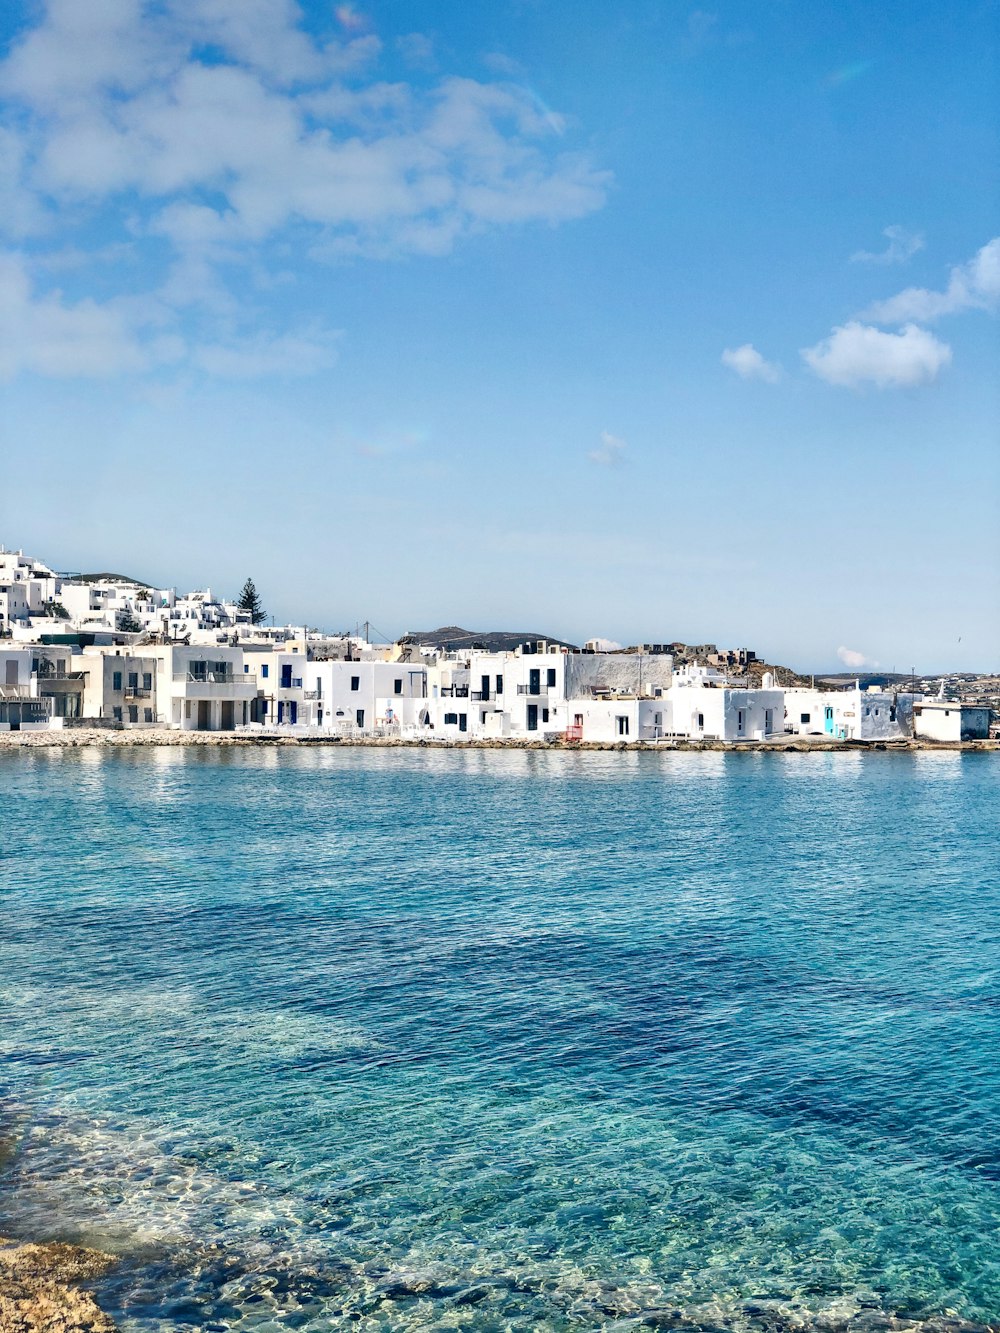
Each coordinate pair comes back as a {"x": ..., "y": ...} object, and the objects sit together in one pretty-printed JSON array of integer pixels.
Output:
[
  {"x": 454, "y": 691},
  {"x": 214, "y": 685},
  {"x": 136, "y": 692},
  {"x": 532, "y": 691}
]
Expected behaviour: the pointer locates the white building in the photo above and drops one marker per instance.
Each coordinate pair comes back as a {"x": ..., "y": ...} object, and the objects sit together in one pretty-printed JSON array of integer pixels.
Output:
[
  {"x": 702, "y": 705},
  {"x": 202, "y": 689},
  {"x": 852, "y": 714},
  {"x": 27, "y": 588},
  {"x": 949, "y": 720}
]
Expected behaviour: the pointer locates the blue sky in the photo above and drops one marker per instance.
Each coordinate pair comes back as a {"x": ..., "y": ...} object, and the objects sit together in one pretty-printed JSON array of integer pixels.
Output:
[{"x": 646, "y": 321}]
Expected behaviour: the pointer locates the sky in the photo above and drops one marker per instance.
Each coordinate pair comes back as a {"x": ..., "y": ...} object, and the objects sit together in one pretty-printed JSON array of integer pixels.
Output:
[{"x": 643, "y": 321}]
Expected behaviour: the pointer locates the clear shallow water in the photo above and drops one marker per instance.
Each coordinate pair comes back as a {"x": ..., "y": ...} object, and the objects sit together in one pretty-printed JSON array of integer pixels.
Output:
[{"x": 478, "y": 1040}]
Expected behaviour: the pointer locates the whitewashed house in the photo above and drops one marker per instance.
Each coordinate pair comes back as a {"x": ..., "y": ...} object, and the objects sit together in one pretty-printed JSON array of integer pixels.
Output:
[
  {"x": 20, "y": 707},
  {"x": 201, "y": 688},
  {"x": 852, "y": 714},
  {"x": 704, "y": 706},
  {"x": 949, "y": 720}
]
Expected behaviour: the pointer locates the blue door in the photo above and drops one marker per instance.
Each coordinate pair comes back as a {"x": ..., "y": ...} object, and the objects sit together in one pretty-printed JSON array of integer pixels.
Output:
[{"x": 828, "y": 721}]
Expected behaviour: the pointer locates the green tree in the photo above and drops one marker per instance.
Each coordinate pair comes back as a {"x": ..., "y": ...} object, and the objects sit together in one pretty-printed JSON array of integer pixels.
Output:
[
  {"x": 250, "y": 601},
  {"x": 127, "y": 623}
]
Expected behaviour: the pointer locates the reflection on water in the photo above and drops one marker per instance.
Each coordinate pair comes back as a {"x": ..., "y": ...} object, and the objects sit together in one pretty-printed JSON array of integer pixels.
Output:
[{"x": 486, "y": 1040}]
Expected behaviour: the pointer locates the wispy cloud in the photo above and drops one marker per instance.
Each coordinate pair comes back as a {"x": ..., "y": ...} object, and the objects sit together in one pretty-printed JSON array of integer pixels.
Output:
[
  {"x": 611, "y": 451},
  {"x": 280, "y": 141},
  {"x": 903, "y": 245},
  {"x": 858, "y": 354},
  {"x": 749, "y": 364},
  {"x": 971, "y": 286}
]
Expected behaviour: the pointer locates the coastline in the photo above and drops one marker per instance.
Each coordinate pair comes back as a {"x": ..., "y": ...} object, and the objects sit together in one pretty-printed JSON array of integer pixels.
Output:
[
  {"x": 138, "y": 738},
  {"x": 40, "y": 1288}
]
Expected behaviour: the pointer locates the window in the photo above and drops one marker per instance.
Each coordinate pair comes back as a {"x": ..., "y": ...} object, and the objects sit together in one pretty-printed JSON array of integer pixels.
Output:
[
  {"x": 246, "y": 668},
  {"x": 397, "y": 685},
  {"x": 701, "y": 721},
  {"x": 264, "y": 670},
  {"x": 499, "y": 684},
  {"x": 133, "y": 680},
  {"x": 892, "y": 713},
  {"x": 545, "y": 715},
  {"x": 622, "y": 725},
  {"x": 147, "y": 680},
  {"x": 550, "y": 677},
  {"x": 286, "y": 677},
  {"x": 739, "y": 719},
  {"x": 463, "y": 722},
  {"x": 360, "y": 715},
  {"x": 116, "y": 680},
  {"x": 451, "y": 719},
  {"x": 355, "y": 682},
  {"x": 804, "y": 719}
]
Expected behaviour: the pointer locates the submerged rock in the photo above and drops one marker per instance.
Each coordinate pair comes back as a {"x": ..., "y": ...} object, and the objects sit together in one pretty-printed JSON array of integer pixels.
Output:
[{"x": 38, "y": 1289}]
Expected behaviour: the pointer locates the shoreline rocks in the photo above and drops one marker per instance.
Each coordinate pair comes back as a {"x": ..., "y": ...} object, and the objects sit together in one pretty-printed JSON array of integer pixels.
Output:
[
  {"x": 39, "y": 1288},
  {"x": 139, "y": 738}
]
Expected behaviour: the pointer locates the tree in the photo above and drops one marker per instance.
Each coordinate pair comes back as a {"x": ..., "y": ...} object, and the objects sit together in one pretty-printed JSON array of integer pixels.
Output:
[
  {"x": 250, "y": 601},
  {"x": 127, "y": 623}
]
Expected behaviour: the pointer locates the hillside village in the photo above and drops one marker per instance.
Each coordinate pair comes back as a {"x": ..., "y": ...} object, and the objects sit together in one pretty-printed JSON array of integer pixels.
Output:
[{"x": 105, "y": 651}]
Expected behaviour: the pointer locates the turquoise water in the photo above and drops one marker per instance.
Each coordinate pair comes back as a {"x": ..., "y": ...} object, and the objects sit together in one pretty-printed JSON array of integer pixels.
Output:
[{"x": 486, "y": 1040}]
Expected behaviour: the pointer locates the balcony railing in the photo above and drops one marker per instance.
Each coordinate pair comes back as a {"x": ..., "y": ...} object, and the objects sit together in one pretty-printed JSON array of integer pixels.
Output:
[
  {"x": 136, "y": 692},
  {"x": 534, "y": 691},
  {"x": 454, "y": 691},
  {"x": 211, "y": 677}
]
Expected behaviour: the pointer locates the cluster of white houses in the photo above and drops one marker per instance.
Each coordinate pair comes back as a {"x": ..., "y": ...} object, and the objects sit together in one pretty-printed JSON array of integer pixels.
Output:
[{"x": 75, "y": 666}]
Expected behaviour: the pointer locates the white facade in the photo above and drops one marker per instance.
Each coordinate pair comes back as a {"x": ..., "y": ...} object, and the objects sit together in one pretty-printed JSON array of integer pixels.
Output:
[
  {"x": 202, "y": 688},
  {"x": 948, "y": 720},
  {"x": 852, "y": 714}
]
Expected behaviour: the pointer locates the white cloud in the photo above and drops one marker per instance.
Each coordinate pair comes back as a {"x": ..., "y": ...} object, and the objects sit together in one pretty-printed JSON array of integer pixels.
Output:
[
  {"x": 971, "y": 286},
  {"x": 302, "y": 353},
  {"x": 214, "y": 133},
  {"x": 417, "y": 49},
  {"x": 857, "y": 354},
  {"x": 611, "y": 451},
  {"x": 853, "y": 659},
  {"x": 750, "y": 365},
  {"x": 46, "y": 335},
  {"x": 119, "y": 101},
  {"x": 903, "y": 245}
]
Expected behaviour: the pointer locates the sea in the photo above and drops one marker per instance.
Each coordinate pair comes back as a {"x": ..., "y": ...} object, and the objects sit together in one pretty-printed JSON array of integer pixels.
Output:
[{"x": 356, "y": 1038}]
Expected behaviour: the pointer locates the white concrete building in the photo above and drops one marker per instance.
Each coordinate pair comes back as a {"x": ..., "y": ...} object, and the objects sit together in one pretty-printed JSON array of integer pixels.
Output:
[
  {"x": 851, "y": 714},
  {"x": 704, "y": 706},
  {"x": 949, "y": 720},
  {"x": 202, "y": 689},
  {"x": 27, "y": 588}
]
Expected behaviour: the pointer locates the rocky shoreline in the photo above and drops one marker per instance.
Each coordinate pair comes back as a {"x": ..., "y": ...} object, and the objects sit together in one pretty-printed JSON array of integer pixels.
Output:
[
  {"x": 40, "y": 1288},
  {"x": 76, "y": 737}
]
